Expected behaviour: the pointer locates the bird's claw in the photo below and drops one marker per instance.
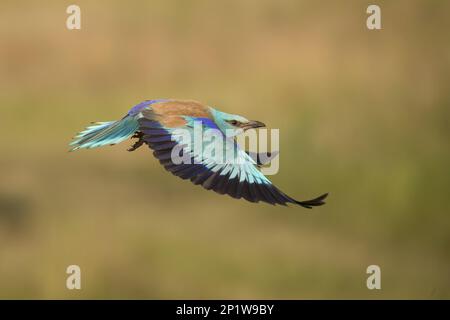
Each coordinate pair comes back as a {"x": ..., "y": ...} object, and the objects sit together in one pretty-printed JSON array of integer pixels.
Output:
[{"x": 137, "y": 144}]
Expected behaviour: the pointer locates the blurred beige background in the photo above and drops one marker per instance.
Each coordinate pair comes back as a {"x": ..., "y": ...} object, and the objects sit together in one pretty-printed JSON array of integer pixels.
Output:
[{"x": 363, "y": 115}]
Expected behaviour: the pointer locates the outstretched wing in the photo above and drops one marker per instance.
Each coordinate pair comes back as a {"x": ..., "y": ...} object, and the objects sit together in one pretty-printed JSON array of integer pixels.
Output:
[{"x": 237, "y": 176}]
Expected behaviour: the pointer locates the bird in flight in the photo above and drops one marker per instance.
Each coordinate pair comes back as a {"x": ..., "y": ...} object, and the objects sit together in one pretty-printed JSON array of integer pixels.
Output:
[{"x": 157, "y": 123}]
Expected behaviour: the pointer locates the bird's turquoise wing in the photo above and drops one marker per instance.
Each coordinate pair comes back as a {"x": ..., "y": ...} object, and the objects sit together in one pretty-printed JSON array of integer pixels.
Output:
[{"x": 238, "y": 176}]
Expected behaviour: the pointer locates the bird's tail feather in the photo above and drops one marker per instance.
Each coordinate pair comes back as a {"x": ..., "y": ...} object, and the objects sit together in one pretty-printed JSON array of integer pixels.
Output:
[
  {"x": 313, "y": 202},
  {"x": 105, "y": 133}
]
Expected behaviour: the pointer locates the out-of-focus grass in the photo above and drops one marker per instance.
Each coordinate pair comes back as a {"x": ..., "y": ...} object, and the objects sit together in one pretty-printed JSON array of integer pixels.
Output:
[{"x": 363, "y": 115}]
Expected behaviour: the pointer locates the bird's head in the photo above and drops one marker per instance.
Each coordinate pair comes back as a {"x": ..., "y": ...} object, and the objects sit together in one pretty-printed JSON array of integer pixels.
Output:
[{"x": 234, "y": 124}]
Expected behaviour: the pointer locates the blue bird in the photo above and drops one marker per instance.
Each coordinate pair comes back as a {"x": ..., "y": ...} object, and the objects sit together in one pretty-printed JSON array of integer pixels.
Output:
[{"x": 157, "y": 123}]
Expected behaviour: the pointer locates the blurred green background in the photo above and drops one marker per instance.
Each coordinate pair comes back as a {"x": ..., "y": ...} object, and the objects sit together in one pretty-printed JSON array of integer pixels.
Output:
[{"x": 362, "y": 114}]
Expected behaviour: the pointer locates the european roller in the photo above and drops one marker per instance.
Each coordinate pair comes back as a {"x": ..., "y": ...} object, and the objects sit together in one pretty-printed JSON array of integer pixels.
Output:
[{"x": 158, "y": 123}]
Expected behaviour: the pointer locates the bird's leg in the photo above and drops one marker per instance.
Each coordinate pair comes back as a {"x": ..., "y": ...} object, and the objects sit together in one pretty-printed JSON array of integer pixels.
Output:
[
  {"x": 137, "y": 134},
  {"x": 137, "y": 144}
]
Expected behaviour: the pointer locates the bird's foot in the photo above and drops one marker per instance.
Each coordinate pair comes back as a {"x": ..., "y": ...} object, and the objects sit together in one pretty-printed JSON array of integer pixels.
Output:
[
  {"x": 139, "y": 143},
  {"x": 137, "y": 134}
]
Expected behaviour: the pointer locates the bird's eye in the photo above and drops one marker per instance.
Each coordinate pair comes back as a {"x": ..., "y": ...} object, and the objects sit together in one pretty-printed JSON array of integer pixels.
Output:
[{"x": 233, "y": 122}]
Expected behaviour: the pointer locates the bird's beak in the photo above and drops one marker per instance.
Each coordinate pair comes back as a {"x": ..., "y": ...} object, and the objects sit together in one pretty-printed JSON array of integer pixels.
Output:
[{"x": 252, "y": 124}]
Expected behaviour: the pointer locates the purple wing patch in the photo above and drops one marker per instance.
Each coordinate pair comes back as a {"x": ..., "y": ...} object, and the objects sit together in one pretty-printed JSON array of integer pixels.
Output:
[{"x": 138, "y": 108}]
